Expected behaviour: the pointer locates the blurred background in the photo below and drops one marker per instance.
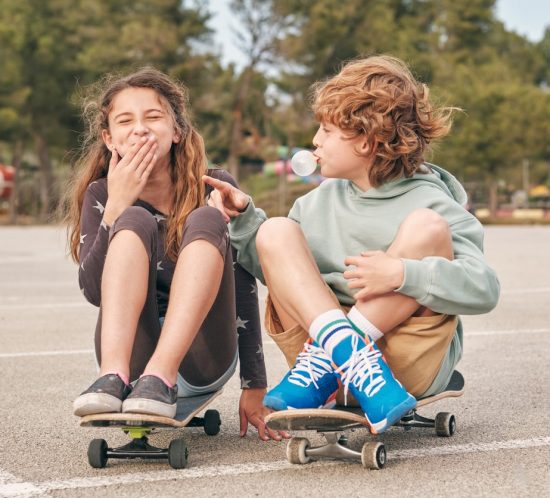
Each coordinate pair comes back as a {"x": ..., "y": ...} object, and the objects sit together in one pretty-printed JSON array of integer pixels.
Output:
[{"x": 249, "y": 64}]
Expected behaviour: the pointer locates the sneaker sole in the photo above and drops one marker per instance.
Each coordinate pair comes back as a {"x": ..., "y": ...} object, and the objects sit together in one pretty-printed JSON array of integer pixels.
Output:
[
  {"x": 149, "y": 407},
  {"x": 278, "y": 404},
  {"x": 393, "y": 415},
  {"x": 92, "y": 403}
]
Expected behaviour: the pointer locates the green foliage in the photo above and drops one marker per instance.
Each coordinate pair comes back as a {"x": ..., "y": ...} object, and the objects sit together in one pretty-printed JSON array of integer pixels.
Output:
[{"x": 50, "y": 50}]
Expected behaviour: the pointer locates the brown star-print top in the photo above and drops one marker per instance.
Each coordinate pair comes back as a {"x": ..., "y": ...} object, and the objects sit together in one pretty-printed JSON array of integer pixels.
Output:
[{"x": 94, "y": 241}]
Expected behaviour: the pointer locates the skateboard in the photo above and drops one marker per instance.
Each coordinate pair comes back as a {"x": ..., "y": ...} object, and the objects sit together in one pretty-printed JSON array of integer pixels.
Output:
[
  {"x": 333, "y": 423},
  {"x": 138, "y": 426}
]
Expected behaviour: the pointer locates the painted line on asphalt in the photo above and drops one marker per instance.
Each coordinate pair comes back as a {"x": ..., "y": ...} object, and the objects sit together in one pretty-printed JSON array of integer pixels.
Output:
[
  {"x": 11, "y": 489},
  {"x": 46, "y": 353},
  {"x": 13, "y": 486},
  {"x": 21, "y": 306},
  {"x": 531, "y": 290},
  {"x": 479, "y": 333},
  {"x": 266, "y": 342}
]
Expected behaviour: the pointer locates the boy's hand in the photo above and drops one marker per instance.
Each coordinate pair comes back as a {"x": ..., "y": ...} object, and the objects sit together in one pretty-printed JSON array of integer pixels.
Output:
[
  {"x": 251, "y": 410},
  {"x": 230, "y": 201},
  {"x": 375, "y": 273}
]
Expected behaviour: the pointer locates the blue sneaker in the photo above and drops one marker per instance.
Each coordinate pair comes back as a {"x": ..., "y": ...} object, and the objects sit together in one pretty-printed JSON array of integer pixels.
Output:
[
  {"x": 311, "y": 383},
  {"x": 365, "y": 373}
]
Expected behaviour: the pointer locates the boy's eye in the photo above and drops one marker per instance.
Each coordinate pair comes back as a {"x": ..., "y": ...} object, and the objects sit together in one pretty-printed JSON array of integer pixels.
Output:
[{"x": 124, "y": 121}]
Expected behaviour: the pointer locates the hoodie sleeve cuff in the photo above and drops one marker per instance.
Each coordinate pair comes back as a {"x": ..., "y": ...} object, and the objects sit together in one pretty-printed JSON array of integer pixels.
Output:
[{"x": 416, "y": 279}]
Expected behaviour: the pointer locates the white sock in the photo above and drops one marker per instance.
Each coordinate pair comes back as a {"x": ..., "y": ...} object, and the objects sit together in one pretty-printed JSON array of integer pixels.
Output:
[
  {"x": 330, "y": 328},
  {"x": 362, "y": 324}
]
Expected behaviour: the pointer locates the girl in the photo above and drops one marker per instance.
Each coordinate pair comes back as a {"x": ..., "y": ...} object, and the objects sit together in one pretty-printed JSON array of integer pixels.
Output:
[{"x": 157, "y": 260}]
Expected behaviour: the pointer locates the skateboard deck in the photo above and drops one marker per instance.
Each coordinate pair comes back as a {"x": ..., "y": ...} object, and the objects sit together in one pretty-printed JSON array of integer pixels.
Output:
[
  {"x": 138, "y": 426},
  {"x": 330, "y": 422}
]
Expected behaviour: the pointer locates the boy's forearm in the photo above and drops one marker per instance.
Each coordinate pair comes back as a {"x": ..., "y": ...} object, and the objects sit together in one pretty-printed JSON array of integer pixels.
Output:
[
  {"x": 242, "y": 230},
  {"x": 464, "y": 286}
]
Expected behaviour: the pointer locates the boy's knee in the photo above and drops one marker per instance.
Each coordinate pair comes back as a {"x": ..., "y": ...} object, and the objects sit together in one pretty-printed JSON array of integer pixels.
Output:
[
  {"x": 274, "y": 232},
  {"x": 426, "y": 223},
  {"x": 423, "y": 233}
]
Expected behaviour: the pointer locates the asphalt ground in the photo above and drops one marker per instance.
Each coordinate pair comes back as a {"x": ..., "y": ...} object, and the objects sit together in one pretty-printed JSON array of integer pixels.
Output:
[{"x": 501, "y": 448}]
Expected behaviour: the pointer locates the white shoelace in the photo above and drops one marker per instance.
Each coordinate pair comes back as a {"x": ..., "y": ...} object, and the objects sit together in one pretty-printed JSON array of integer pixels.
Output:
[
  {"x": 362, "y": 367},
  {"x": 312, "y": 364}
]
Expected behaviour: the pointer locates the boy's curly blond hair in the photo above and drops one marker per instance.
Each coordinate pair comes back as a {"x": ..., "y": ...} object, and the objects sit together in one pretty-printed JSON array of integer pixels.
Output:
[{"x": 379, "y": 97}]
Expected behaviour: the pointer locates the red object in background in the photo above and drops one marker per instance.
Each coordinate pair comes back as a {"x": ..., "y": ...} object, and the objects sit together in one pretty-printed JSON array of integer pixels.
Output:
[{"x": 7, "y": 177}]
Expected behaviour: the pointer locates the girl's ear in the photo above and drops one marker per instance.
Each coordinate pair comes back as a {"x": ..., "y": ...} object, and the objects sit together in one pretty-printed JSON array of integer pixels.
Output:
[
  {"x": 177, "y": 137},
  {"x": 107, "y": 139}
]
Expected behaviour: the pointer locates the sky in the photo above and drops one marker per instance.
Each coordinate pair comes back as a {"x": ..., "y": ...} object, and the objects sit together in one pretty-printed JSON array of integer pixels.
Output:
[{"x": 526, "y": 17}]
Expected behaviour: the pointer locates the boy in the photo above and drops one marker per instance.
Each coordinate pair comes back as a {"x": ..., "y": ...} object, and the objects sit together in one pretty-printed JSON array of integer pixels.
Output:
[{"x": 379, "y": 259}]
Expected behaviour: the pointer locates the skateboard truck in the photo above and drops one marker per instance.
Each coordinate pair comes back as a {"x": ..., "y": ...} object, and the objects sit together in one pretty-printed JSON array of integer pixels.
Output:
[
  {"x": 139, "y": 426},
  {"x": 444, "y": 422},
  {"x": 371, "y": 456}
]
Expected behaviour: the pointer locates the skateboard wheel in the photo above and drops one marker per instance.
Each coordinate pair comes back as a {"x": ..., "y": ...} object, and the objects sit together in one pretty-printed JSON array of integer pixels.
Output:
[
  {"x": 373, "y": 455},
  {"x": 212, "y": 422},
  {"x": 97, "y": 453},
  {"x": 445, "y": 424},
  {"x": 177, "y": 454},
  {"x": 296, "y": 450}
]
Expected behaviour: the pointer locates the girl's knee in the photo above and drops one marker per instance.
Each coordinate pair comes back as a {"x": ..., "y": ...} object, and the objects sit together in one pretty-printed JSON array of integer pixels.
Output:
[
  {"x": 136, "y": 218},
  {"x": 205, "y": 215},
  {"x": 206, "y": 223},
  {"x": 275, "y": 231}
]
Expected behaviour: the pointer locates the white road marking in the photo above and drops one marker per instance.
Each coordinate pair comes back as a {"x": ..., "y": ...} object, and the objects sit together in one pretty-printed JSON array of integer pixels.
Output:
[
  {"x": 12, "y": 486},
  {"x": 46, "y": 353},
  {"x": 530, "y": 290},
  {"x": 476, "y": 333},
  {"x": 267, "y": 342},
  {"x": 22, "y": 306},
  {"x": 255, "y": 468}
]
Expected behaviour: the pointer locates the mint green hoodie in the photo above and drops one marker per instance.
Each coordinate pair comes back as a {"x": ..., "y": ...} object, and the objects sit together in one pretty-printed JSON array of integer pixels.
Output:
[{"x": 338, "y": 220}]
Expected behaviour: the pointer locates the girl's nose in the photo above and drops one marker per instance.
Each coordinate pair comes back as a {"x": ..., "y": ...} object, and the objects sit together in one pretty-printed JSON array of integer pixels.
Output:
[{"x": 141, "y": 128}]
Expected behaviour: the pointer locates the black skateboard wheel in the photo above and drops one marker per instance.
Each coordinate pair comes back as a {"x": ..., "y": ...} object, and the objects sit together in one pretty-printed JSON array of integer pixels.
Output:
[
  {"x": 97, "y": 453},
  {"x": 212, "y": 422},
  {"x": 177, "y": 454}
]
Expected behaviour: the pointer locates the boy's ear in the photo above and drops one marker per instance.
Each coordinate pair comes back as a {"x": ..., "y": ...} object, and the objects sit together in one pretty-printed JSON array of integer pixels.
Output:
[
  {"x": 363, "y": 147},
  {"x": 107, "y": 139}
]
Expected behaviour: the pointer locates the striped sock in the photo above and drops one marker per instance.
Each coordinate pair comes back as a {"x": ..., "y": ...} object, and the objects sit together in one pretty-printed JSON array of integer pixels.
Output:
[
  {"x": 329, "y": 329},
  {"x": 362, "y": 325}
]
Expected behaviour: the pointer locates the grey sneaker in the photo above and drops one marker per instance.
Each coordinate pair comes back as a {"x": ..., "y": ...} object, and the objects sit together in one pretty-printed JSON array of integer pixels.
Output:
[
  {"x": 105, "y": 395},
  {"x": 152, "y": 397}
]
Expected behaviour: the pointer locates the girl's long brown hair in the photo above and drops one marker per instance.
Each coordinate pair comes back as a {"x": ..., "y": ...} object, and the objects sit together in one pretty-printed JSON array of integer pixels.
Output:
[{"x": 188, "y": 157}]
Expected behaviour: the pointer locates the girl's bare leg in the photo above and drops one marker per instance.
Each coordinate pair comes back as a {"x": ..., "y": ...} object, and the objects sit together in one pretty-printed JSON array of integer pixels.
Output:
[
  {"x": 123, "y": 293},
  {"x": 194, "y": 288}
]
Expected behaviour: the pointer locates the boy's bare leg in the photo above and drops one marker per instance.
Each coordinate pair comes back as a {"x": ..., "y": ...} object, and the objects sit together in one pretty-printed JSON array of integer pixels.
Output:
[
  {"x": 293, "y": 279},
  {"x": 122, "y": 301},
  {"x": 298, "y": 291},
  {"x": 194, "y": 288},
  {"x": 423, "y": 233}
]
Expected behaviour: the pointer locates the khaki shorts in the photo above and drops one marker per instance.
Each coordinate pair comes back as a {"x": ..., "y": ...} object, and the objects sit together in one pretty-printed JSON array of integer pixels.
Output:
[{"x": 415, "y": 350}]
